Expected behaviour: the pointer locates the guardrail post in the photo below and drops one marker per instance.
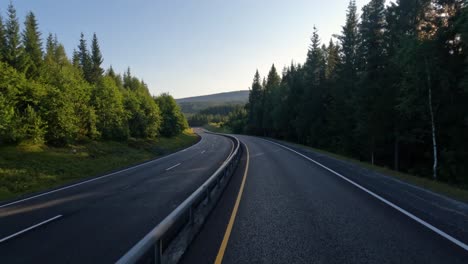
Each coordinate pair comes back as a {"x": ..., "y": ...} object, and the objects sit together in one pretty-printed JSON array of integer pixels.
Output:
[{"x": 158, "y": 251}]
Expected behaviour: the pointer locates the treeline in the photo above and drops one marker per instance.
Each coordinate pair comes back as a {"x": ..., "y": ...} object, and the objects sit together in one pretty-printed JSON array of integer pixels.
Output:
[
  {"x": 213, "y": 114},
  {"x": 47, "y": 97},
  {"x": 392, "y": 90}
]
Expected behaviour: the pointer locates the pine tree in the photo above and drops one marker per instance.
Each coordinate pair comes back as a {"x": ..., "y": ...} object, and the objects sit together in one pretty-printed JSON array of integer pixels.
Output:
[
  {"x": 32, "y": 46},
  {"x": 96, "y": 60},
  {"x": 13, "y": 51}
]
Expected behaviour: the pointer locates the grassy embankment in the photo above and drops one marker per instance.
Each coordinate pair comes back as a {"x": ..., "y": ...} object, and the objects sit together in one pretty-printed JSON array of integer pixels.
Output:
[
  {"x": 443, "y": 188},
  {"x": 30, "y": 168},
  {"x": 217, "y": 128}
]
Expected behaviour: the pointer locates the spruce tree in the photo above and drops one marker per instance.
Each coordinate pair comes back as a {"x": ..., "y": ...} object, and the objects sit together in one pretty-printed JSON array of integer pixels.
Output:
[
  {"x": 32, "y": 46},
  {"x": 349, "y": 44},
  {"x": 96, "y": 60},
  {"x": 255, "y": 106},
  {"x": 375, "y": 99},
  {"x": 85, "y": 59},
  {"x": 270, "y": 101},
  {"x": 309, "y": 118},
  {"x": 76, "y": 58},
  {"x": 50, "y": 48},
  {"x": 13, "y": 51}
]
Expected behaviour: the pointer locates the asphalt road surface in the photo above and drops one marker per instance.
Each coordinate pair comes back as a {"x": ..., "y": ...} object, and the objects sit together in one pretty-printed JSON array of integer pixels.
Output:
[
  {"x": 292, "y": 210},
  {"x": 97, "y": 221}
]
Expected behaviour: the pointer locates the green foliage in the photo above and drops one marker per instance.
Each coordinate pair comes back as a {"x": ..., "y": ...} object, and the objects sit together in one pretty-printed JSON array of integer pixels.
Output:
[
  {"x": 173, "y": 121},
  {"x": 46, "y": 98},
  {"x": 3, "y": 43},
  {"x": 111, "y": 115},
  {"x": 237, "y": 120},
  {"x": 33, "y": 126},
  {"x": 214, "y": 114}
]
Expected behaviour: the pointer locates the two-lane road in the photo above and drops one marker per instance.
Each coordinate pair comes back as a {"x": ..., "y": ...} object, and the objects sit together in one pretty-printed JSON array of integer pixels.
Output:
[
  {"x": 98, "y": 220},
  {"x": 291, "y": 210}
]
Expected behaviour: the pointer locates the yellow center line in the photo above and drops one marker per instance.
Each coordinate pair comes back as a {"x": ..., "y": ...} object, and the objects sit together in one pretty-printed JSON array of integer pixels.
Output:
[{"x": 222, "y": 248}]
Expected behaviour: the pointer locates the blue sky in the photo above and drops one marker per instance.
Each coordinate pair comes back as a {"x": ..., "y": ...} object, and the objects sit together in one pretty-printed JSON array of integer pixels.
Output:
[{"x": 192, "y": 47}]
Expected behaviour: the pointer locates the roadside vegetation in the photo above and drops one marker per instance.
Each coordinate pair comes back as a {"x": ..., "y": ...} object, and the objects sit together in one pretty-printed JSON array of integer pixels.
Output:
[
  {"x": 439, "y": 187},
  {"x": 391, "y": 89},
  {"x": 64, "y": 117},
  {"x": 217, "y": 128},
  {"x": 31, "y": 168}
]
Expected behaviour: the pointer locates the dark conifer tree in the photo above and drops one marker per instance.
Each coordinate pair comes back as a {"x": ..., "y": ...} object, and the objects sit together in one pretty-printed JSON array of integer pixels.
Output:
[
  {"x": 32, "y": 46},
  {"x": 96, "y": 60},
  {"x": 76, "y": 58},
  {"x": 255, "y": 106},
  {"x": 85, "y": 59},
  {"x": 271, "y": 100},
  {"x": 13, "y": 51},
  {"x": 3, "y": 43}
]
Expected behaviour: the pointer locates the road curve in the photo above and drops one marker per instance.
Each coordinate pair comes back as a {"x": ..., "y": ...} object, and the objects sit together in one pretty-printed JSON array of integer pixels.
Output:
[
  {"x": 292, "y": 210},
  {"x": 97, "y": 221}
]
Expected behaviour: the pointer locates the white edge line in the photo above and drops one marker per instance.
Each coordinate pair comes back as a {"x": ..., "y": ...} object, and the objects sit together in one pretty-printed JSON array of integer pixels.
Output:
[
  {"x": 97, "y": 178},
  {"x": 170, "y": 168},
  {"x": 29, "y": 228},
  {"x": 401, "y": 210}
]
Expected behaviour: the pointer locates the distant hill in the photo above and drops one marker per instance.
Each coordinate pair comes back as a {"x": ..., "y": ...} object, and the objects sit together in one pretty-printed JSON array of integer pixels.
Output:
[
  {"x": 236, "y": 96},
  {"x": 195, "y": 104}
]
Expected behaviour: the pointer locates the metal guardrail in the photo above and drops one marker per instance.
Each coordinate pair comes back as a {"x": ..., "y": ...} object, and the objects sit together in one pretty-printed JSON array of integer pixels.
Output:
[{"x": 169, "y": 239}]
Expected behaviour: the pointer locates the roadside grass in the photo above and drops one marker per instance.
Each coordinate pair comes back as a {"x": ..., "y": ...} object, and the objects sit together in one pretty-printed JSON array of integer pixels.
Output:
[
  {"x": 217, "y": 128},
  {"x": 442, "y": 188},
  {"x": 27, "y": 168}
]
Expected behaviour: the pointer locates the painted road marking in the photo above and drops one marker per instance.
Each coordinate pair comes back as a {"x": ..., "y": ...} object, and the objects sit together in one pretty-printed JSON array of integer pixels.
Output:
[
  {"x": 203, "y": 151},
  {"x": 97, "y": 178},
  {"x": 170, "y": 168},
  {"x": 401, "y": 210},
  {"x": 222, "y": 249},
  {"x": 29, "y": 228}
]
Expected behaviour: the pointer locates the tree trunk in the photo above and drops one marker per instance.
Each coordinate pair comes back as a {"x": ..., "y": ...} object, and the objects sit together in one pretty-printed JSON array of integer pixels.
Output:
[
  {"x": 433, "y": 126},
  {"x": 396, "y": 154}
]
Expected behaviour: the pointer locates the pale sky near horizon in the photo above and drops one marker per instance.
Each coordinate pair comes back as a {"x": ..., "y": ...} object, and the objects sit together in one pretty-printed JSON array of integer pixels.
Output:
[{"x": 190, "y": 48}]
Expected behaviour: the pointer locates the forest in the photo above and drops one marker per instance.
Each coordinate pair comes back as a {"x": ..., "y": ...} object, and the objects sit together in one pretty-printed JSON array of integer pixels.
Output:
[
  {"x": 47, "y": 97},
  {"x": 390, "y": 89}
]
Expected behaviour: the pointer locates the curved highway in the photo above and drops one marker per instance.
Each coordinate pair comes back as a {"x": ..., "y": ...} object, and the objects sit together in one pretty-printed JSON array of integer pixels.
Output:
[
  {"x": 98, "y": 220},
  {"x": 281, "y": 207}
]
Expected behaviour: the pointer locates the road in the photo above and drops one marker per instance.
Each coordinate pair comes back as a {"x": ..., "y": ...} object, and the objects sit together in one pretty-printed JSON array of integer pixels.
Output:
[
  {"x": 97, "y": 221},
  {"x": 292, "y": 210}
]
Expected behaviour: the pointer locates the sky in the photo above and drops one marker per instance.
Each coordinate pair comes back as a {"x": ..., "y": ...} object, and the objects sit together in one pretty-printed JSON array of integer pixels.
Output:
[{"x": 191, "y": 47}]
